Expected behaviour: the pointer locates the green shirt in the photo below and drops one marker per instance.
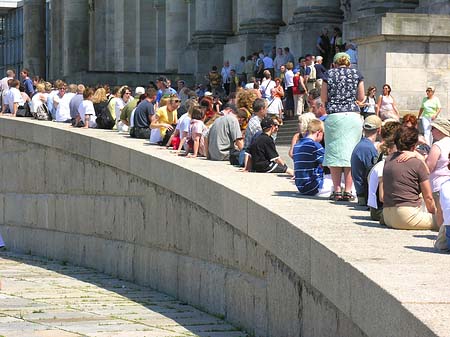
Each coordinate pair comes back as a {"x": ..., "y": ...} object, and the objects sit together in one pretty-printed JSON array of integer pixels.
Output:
[{"x": 430, "y": 106}]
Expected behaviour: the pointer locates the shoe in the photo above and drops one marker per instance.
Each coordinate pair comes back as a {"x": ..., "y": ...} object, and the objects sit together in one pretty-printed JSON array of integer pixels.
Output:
[
  {"x": 347, "y": 196},
  {"x": 335, "y": 196}
]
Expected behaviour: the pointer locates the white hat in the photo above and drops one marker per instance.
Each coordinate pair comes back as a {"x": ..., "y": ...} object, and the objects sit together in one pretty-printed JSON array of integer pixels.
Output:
[
  {"x": 139, "y": 91},
  {"x": 208, "y": 93}
]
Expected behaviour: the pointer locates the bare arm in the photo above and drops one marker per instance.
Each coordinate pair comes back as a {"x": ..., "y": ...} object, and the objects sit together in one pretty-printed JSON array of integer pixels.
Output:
[
  {"x": 394, "y": 106},
  {"x": 433, "y": 157},
  {"x": 324, "y": 93},
  {"x": 420, "y": 113},
  {"x": 380, "y": 189},
  {"x": 239, "y": 143},
  {"x": 360, "y": 92},
  {"x": 425, "y": 187},
  {"x": 293, "y": 142},
  {"x": 378, "y": 106},
  {"x": 155, "y": 124}
]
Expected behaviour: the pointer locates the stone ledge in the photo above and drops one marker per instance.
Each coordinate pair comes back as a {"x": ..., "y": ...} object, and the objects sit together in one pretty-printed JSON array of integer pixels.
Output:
[{"x": 384, "y": 280}]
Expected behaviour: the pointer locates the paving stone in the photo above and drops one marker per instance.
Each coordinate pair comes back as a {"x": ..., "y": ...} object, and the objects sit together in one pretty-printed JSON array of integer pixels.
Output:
[{"x": 42, "y": 298}]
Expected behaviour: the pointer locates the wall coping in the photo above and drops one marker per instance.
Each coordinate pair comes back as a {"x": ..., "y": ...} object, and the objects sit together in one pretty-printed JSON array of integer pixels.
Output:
[{"x": 388, "y": 282}]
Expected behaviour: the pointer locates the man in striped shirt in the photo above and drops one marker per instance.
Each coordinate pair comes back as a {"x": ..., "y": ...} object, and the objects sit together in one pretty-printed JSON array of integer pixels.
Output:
[{"x": 308, "y": 157}]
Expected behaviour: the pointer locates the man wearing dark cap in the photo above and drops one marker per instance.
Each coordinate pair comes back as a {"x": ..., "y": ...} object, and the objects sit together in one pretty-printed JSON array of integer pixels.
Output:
[
  {"x": 264, "y": 155},
  {"x": 364, "y": 157}
]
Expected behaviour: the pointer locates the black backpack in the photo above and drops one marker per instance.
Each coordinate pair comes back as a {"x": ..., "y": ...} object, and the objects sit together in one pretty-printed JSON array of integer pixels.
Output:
[{"x": 104, "y": 119}]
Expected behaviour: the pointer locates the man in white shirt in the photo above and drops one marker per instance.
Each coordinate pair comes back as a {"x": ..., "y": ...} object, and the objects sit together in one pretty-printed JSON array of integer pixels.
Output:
[
  {"x": 61, "y": 102},
  {"x": 15, "y": 99},
  {"x": 4, "y": 87},
  {"x": 226, "y": 77},
  {"x": 280, "y": 60},
  {"x": 267, "y": 85}
]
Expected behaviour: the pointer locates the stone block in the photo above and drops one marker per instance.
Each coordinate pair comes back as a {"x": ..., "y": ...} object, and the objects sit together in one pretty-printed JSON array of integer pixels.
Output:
[
  {"x": 235, "y": 210},
  {"x": 240, "y": 293},
  {"x": 14, "y": 205},
  {"x": 2, "y": 209},
  {"x": 209, "y": 195},
  {"x": 120, "y": 157},
  {"x": 330, "y": 276},
  {"x": 378, "y": 313},
  {"x": 155, "y": 218},
  {"x": 319, "y": 317},
  {"x": 135, "y": 219},
  {"x": 201, "y": 233},
  {"x": 294, "y": 249},
  {"x": 212, "y": 288},
  {"x": 177, "y": 225},
  {"x": 262, "y": 225},
  {"x": 189, "y": 274},
  {"x": 42, "y": 134},
  {"x": 145, "y": 266},
  {"x": 223, "y": 243},
  {"x": 284, "y": 301},
  {"x": 167, "y": 263}
]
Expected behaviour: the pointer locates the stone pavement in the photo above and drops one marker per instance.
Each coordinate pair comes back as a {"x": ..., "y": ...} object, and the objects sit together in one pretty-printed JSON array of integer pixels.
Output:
[{"x": 47, "y": 298}]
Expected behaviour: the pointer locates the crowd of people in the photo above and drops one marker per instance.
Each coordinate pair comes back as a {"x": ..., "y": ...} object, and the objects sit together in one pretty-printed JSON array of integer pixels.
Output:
[{"x": 350, "y": 144}]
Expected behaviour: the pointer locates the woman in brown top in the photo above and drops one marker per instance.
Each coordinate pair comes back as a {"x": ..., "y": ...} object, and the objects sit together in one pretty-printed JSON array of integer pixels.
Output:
[{"x": 403, "y": 181}]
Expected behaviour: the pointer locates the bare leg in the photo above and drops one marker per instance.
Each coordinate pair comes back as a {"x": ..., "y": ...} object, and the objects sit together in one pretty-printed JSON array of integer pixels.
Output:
[
  {"x": 348, "y": 179},
  {"x": 336, "y": 173}
]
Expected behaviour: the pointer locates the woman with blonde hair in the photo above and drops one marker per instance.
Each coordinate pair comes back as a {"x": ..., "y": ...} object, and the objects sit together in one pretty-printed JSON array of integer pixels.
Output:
[{"x": 341, "y": 88}]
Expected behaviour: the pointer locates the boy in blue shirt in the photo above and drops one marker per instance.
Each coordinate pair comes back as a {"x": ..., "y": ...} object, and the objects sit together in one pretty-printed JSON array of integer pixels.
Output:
[{"x": 308, "y": 157}]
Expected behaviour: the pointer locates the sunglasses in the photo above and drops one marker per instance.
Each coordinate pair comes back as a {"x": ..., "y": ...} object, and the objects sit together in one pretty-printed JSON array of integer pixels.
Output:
[
  {"x": 428, "y": 90},
  {"x": 176, "y": 101},
  {"x": 128, "y": 93}
]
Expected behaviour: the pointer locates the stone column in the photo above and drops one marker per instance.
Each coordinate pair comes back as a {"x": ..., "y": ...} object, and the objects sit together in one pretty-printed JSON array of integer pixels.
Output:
[
  {"x": 176, "y": 32},
  {"x": 211, "y": 24},
  {"x": 260, "y": 16},
  {"x": 310, "y": 16},
  {"x": 441, "y": 7},
  {"x": 371, "y": 7},
  {"x": 160, "y": 36},
  {"x": 75, "y": 36},
  {"x": 324, "y": 12},
  {"x": 34, "y": 36},
  {"x": 258, "y": 23},
  {"x": 56, "y": 41}
]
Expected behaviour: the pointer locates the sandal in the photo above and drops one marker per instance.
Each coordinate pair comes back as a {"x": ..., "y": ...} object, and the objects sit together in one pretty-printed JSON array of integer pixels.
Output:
[
  {"x": 335, "y": 196},
  {"x": 347, "y": 196}
]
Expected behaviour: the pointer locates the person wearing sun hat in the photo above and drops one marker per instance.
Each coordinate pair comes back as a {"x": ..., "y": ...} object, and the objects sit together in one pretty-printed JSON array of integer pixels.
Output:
[
  {"x": 428, "y": 112},
  {"x": 342, "y": 87},
  {"x": 437, "y": 159}
]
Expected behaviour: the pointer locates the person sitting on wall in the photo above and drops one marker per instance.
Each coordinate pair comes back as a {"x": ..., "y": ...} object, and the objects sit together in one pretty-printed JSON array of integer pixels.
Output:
[
  {"x": 308, "y": 156},
  {"x": 225, "y": 135},
  {"x": 263, "y": 153},
  {"x": 403, "y": 183},
  {"x": 143, "y": 115},
  {"x": 165, "y": 120},
  {"x": 364, "y": 157},
  {"x": 86, "y": 112},
  {"x": 375, "y": 176}
]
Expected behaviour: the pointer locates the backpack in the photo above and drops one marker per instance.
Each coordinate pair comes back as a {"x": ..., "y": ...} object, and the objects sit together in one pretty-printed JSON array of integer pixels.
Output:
[
  {"x": 42, "y": 113},
  {"x": 104, "y": 119}
]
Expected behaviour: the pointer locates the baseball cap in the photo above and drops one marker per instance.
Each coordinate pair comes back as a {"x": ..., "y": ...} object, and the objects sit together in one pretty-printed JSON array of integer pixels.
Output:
[
  {"x": 267, "y": 123},
  {"x": 372, "y": 122}
]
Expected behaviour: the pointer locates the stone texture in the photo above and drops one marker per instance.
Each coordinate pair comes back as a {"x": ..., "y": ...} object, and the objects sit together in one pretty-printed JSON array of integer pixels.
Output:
[{"x": 274, "y": 267}]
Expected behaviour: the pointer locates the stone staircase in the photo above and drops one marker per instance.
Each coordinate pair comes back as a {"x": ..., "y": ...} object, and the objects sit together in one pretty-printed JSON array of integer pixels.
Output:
[{"x": 286, "y": 131}]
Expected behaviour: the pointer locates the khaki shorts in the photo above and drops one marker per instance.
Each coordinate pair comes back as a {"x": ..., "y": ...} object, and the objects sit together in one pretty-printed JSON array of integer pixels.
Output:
[{"x": 405, "y": 217}]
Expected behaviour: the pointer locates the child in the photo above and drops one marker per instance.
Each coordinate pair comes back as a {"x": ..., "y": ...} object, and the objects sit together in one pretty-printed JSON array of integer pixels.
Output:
[
  {"x": 196, "y": 133},
  {"x": 308, "y": 157}
]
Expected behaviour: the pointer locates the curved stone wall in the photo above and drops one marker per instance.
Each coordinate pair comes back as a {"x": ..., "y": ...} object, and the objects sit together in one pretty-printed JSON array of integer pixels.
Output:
[{"x": 242, "y": 246}]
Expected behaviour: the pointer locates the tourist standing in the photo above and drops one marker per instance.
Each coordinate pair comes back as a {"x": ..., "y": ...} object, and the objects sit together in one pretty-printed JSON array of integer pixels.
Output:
[
  {"x": 428, "y": 112},
  {"x": 343, "y": 126}
]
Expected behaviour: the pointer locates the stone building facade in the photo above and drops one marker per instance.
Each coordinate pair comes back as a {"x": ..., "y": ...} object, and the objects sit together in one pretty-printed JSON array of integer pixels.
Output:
[{"x": 401, "y": 42}]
